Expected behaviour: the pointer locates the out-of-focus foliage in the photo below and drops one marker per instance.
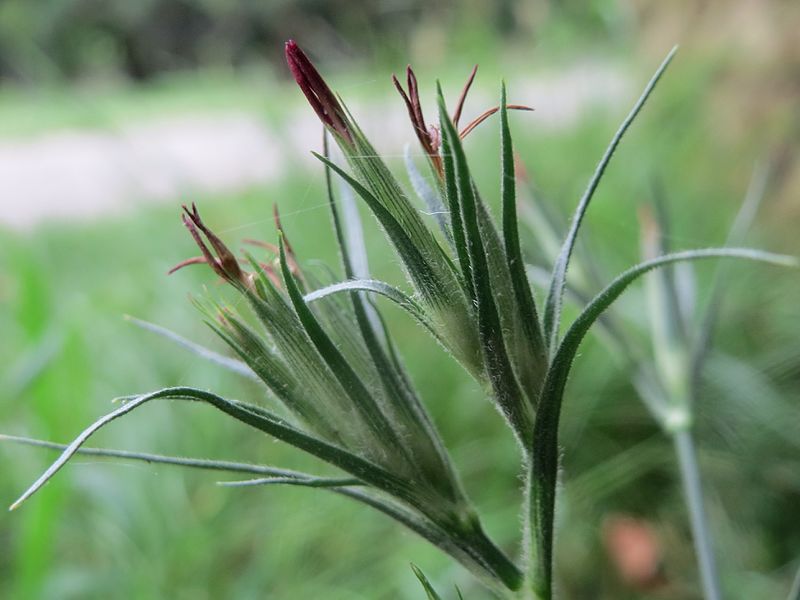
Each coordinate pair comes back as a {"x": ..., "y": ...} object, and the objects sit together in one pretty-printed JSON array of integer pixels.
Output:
[{"x": 79, "y": 38}]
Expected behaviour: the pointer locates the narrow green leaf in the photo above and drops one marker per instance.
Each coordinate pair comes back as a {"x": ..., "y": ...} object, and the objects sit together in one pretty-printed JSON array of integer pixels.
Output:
[
  {"x": 440, "y": 294},
  {"x": 384, "y": 436},
  {"x": 278, "y": 376},
  {"x": 544, "y": 466},
  {"x": 426, "y": 585},
  {"x": 351, "y": 244},
  {"x": 456, "y": 222},
  {"x": 549, "y": 227},
  {"x": 301, "y": 387},
  {"x": 552, "y": 313},
  {"x": 178, "y": 461},
  {"x": 680, "y": 277},
  {"x": 373, "y": 173},
  {"x": 424, "y": 440},
  {"x": 656, "y": 236},
  {"x": 338, "y": 317},
  {"x": 374, "y": 286},
  {"x": 371, "y": 170},
  {"x": 422, "y": 273},
  {"x": 528, "y": 364},
  {"x": 613, "y": 335},
  {"x": 251, "y": 415},
  {"x": 237, "y": 366},
  {"x": 516, "y": 265},
  {"x": 428, "y": 195},
  {"x": 477, "y": 559},
  {"x": 430, "y": 450},
  {"x": 756, "y": 190},
  {"x": 313, "y": 482},
  {"x": 350, "y": 239},
  {"x": 501, "y": 374},
  {"x": 476, "y": 553},
  {"x": 308, "y": 371}
]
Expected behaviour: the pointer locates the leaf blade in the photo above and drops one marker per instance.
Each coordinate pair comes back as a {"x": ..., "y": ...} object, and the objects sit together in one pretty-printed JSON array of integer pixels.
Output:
[
  {"x": 426, "y": 585},
  {"x": 499, "y": 370},
  {"x": 178, "y": 461},
  {"x": 544, "y": 466},
  {"x": 255, "y": 417},
  {"x": 424, "y": 440},
  {"x": 516, "y": 265},
  {"x": 363, "y": 401},
  {"x": 237, "y": 366},
  {"x": 552, "y": 313}
]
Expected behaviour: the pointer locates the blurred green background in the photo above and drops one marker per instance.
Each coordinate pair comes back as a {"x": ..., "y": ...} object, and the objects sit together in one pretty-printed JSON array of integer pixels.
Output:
[{"x": 69, "y": 273}]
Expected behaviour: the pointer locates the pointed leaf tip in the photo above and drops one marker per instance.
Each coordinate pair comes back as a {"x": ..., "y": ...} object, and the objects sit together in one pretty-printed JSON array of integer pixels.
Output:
[
  {"x": 552, "y": 313},
  {"x": 426, "y": 584}
]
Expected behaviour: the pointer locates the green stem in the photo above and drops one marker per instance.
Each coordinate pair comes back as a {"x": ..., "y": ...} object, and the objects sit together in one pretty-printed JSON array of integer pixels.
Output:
[
  {"x": 692, "y": 488},
  {"x": 532, "y": 589}
]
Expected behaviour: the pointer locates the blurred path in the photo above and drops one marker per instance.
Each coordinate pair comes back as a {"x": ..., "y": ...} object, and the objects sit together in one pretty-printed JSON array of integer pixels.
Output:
[{"x": 82, "y": 174}]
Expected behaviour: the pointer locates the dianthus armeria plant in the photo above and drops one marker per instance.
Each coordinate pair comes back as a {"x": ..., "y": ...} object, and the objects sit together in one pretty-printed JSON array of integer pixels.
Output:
[{"x": 327, "y": 359}]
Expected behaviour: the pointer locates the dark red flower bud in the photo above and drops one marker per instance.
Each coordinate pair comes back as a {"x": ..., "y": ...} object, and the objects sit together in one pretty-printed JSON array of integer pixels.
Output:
[
  {"x": 430, "y": 136},
  {"x": 224, "y": 263},
  {"x": 319, "y": 95},
  {"x": 428, "y": 141}
]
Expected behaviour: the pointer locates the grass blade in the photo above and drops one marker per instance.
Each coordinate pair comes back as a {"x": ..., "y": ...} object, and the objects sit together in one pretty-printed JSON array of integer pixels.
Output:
[{"x": 552, "y": 313}]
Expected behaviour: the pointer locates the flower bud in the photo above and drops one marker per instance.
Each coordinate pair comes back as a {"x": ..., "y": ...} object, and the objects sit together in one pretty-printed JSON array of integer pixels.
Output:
[{"x": 319, "y": 95}]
